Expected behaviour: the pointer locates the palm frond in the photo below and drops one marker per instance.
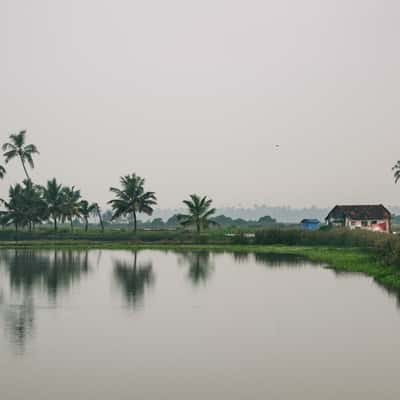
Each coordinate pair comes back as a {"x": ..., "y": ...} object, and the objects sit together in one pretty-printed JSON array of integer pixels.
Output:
[
  {"x": 28, "y": 158},
  {"x": 8, "y": 146},
  {"x": 31, "y": 149},
  {"x": 9, "y": 155},
  {"x": 131, "y": 197},
  {"x": 199, "y": 211},
  {"x": 396, "y": 169},
  {"x": 209, "y": 213}
]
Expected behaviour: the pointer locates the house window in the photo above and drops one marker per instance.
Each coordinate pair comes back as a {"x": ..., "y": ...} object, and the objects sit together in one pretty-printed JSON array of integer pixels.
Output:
[
  {"x": 364, "y": 223},
  {"x": 374, "y": 222}
]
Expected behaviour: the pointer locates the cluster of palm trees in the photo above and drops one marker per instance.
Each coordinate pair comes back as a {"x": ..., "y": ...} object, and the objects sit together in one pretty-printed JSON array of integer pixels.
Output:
[{"x": 29, "y": 204}]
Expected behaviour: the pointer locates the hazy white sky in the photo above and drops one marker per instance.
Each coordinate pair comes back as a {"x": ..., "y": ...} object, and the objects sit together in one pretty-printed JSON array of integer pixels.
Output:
[{"x": 194, "y": 95}]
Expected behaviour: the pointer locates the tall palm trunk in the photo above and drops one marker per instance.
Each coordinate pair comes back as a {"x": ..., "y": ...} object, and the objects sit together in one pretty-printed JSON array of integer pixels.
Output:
[
  {"x": 23, "y": 166},
  {"x": 55, "y": 224},
  {"x": 100, "y": 219},
  {"x": 72, "y": 225},
  {"x": 134, "y": 221},
  {"x": 86, "y": 224}
]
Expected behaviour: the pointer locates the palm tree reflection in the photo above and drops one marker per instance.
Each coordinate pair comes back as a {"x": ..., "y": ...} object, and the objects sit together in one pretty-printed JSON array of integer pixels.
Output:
[
  {"x": 280, "y": 260},
  {"x": 241, "y": 256},
  {"x": 133, "y": 278},
  {"x": 53, "y": 271},
  {"x": 200, "y": 265},
  {"x": 19, "y": 323},
  {"x": 32, "y": 273}
]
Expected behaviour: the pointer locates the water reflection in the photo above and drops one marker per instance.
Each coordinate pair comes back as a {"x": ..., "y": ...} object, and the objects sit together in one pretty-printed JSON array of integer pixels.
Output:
[
  {"x": 19, "y": 323},
  {"x": 241, "y": 257},
  {"x": 279, "y": 260},
  {"x": 270, "y": 259},
  {"x": 200, "y": 266},
  {"x": 133, "y": 278},
  {"x": 52, "y": 271},
  {"x": 33, "y": 272}
]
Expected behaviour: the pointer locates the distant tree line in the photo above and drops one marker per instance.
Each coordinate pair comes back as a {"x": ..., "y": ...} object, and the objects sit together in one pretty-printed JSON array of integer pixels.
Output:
[{"x": 217, "y": 221}]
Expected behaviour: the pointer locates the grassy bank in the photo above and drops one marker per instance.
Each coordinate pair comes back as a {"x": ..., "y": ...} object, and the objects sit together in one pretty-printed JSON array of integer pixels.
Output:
[{"x": 116, "y": 235}]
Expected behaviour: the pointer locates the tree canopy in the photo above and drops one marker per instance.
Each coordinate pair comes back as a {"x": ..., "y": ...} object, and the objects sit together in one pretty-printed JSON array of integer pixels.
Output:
[
  {"x": 199, "y": 212},
  {"x": 16, "y": 148},
  {"x": 132, "y": 199}
]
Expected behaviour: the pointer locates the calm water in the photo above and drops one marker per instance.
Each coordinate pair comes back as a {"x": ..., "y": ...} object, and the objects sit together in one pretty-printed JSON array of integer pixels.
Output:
[{"x": 164, "y": 325}]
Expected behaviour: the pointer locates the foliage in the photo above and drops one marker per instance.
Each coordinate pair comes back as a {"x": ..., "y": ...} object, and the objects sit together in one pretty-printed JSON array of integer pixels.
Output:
[
  {"x": 70, "y": 204},
  {"x": 25, "y": 206},
  {"x": 199, "y": 214},
  {"x": 266, "y": 221},
  {"x": 16, "y": 148},
  {"x": 53, "y": 196},
  {"x": 15, "y": 208},
  {"x": 29, "y": 205},
  {"x": 85, "y": 210},
  {"x": 132, "y": 199},
  {"x": 387, "y": 247},
  {"x": 396, "y": 171},
  {"x": 97, "y": 211}
]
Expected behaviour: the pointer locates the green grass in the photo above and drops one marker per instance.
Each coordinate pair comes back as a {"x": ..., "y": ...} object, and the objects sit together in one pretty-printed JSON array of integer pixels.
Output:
[{"x": 115, "y": 235}]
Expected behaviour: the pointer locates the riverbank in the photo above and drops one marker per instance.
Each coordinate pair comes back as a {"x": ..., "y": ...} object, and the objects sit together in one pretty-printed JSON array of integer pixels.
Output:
[{"x": 348, "y": 259}]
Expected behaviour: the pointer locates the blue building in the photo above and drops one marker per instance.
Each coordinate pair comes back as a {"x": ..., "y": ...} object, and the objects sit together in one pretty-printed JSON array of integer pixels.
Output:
[{"x": 310, "y": 224}]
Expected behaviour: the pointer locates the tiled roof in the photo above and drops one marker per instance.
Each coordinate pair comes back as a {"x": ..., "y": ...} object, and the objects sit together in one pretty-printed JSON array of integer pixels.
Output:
[{"x": 374, "y": 211}]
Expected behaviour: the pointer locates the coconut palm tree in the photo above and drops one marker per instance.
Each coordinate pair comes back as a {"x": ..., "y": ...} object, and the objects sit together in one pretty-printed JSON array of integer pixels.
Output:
[
  {"x": 17, "y": 148},
  {"x": 396, "y": 171},
  {"x": 132, "y": 199},
  {"x": 15, "y": 213},
  {"x": 71, "y": 204},
  {"x": 2, "y": 172},
  {"x": 199, "y": 212},
  {"x": 97, "y": 211},
  {"x": 85, "y": 210},
  {"x": 34, "y": 205},
  {"x": 54, "y": 198},
  {"x": 25, "y": 206}
]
